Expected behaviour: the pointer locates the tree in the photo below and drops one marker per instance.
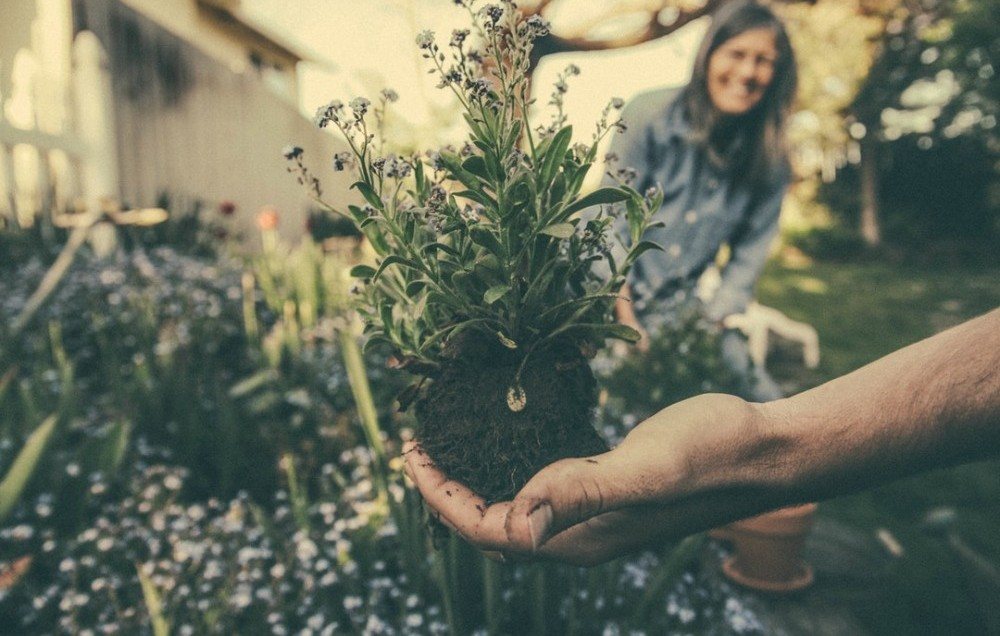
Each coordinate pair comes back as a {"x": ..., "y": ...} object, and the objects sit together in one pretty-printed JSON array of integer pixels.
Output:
[{"x": 932, "y": 78}]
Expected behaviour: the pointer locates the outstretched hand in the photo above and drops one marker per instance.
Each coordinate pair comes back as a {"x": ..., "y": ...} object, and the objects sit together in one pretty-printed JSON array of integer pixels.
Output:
[
  {"x": 589, "y": 510},
  {"x": 716, "y": 458}
]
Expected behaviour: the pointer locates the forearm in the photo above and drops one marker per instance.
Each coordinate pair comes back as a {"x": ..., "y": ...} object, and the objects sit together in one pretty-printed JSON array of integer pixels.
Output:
[{"x": 935, "y": 403}]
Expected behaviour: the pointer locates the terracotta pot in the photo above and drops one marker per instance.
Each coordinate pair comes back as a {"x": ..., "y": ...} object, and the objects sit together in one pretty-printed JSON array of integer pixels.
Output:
[{"x": 768, "y": 550}]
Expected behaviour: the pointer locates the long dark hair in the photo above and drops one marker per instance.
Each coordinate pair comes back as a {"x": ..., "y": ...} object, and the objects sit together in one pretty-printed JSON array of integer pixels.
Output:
[{"x": 760, "y": 138}]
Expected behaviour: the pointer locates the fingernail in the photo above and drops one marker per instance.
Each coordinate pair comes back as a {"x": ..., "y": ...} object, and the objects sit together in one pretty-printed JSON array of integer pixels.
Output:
[{"x": 539, "y": 523}]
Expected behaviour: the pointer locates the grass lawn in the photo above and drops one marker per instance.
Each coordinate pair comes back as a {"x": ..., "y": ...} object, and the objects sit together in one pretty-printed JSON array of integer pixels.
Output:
[{"x": 863, "y": 311}]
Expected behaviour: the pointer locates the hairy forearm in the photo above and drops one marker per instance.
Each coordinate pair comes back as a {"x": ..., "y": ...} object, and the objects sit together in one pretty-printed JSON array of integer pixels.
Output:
[{"x": 935, "y": 403}]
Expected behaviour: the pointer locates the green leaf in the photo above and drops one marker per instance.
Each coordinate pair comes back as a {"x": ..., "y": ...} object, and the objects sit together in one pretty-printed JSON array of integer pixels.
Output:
[
  {"x": 369, "y": 194},
  {"x": 357, "y": 213},
  {"x": 555, "y": 155},
  {"x": 478, "y": 196},
  {"x": 153, "y": 604},
  {"x": 394, "y": 259},
  {"x": 483, "y": 236},
  {"x": 375, "y": 338},
  {"x": 445, "y": 300},
  {"x": 495, "y": 293},
  {"x": 414, "y": 287},
  {"x": 620, "y": 332},
  {"x": 505, "y": 341},
  {"x": 597, "y": 197},
  {"x": 579, "y": 174},
  {"x": 24, "y": 466},
  {"x": 583, "y": 301},
  {"x": 634, "y": 215},
  {"x": 602, "y": 330},
  {"x": 385, "y": 316},
  {"x": 418, "y": 176},
  {"x": 437, "y": 246},
  {"x": 512, "y": 137},
  {"x": 559, "y": 230},
  {"x": 112, "y": 451},
  {"x": 249, "y": 385},
  {"x": 477, "y": 166},
  {"x": 362, "y": 271},
  {"x": 5, "y": 381},
  {"x": 454, "y": 166},
  {"x": 642, "y": 246}
]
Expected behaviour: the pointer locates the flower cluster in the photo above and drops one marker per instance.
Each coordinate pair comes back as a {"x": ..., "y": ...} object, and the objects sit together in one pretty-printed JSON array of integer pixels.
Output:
[{"x": 217, "y": 566}]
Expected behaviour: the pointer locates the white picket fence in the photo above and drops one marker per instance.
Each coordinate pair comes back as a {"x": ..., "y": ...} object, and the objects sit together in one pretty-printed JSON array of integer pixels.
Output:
[{"x": 57, "y": 152}]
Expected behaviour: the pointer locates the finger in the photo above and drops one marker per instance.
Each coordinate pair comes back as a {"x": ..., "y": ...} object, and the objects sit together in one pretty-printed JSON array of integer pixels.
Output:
[
  {"x": 601, "y": 538},
  {"x": 562, "y": 495},
  {"x": 459, "y": 507},
  {"x": 626, "y": 530}
]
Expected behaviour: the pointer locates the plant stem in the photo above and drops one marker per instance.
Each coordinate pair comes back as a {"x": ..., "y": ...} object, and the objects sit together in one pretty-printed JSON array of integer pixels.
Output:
[
  {"x": 538, "y": 602},
  {"x": 491, "y": 584}
]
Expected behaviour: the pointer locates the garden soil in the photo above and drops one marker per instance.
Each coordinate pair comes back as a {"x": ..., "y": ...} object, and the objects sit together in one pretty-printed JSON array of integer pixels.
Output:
[{"x": 472, "y": 435}]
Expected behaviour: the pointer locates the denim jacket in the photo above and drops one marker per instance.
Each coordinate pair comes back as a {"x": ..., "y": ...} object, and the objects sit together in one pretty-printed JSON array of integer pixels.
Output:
[{"x": 702, "y": 209}]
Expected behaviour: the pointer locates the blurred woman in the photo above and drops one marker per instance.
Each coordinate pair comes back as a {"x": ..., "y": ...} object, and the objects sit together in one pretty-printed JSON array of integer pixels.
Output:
[{"x": 716, "y": 149}]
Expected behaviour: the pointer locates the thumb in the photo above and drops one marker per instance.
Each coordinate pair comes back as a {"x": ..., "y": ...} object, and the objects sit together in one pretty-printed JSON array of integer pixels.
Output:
[{"x": 562, "y": 495}]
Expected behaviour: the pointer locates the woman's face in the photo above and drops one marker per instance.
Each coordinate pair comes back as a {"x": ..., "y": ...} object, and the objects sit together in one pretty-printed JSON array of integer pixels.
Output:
[{"x": 740, "y": 70}]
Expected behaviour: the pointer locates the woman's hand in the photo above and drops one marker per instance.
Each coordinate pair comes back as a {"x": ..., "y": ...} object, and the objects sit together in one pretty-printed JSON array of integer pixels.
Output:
[{"x": 590, "y": 510}]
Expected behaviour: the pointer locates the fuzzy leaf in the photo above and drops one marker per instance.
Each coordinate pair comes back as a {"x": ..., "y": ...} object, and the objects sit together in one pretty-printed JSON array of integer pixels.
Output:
[
  {"x": 602, "y": 330},
  {"x": 633, "y": 213},
  {"x": 495, "y": 293},
  {"x": 479, "y": 197},
  {"x": 416, "y": 286},
  {"x": 357, "y": 213},
  {"x": 618, "y": 331},
  {"x": 385, "y": 315},
  {"x": 393, "y": 259},
  {"x": 362, "y": 271},
  {"x": 484, "y": 237},
  {"x": 555, "y": 155},
  {"x": 374, "y": 339},
  {"x": 369, "y": 194},
  {"x": 642, "y": 246},
  {"x": 454, "y": 166},
  {"x": 597, "y": 197},
  {"x": 477, "y": 166},
  {"x": 505, "y": 341},
  {"x": 559, "y": 230}
]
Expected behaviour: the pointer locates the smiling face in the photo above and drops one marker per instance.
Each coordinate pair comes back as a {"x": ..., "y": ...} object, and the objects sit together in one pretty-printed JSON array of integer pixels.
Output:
[{"x": 740, "y": 70}]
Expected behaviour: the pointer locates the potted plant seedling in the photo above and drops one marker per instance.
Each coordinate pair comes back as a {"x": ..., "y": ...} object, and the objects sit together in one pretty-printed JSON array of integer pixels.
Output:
[{"x": 484, "y": 284}]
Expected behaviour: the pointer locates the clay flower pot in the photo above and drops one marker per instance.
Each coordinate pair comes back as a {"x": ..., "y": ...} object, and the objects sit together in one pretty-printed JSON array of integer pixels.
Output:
[{"x": 767, "y": 548}]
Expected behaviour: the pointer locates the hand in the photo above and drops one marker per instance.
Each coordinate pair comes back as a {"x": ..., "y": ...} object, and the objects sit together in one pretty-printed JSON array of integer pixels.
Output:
[
  {"x": 716, "y": 458},
  {"x": 590, "y": 510}
]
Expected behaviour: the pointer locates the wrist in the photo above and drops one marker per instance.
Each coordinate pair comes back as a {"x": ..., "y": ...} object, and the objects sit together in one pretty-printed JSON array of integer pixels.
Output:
[{"x": 746, "y": 455}]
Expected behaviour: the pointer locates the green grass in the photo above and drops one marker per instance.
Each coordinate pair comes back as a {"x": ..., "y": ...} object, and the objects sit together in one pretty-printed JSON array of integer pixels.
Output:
[{"x": 863, "y": 311}]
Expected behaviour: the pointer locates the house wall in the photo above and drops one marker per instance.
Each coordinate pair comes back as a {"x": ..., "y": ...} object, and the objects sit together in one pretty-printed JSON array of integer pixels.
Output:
[
  {"x": 191, "y": 133},
  {"x": 184, "y": 19}
]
